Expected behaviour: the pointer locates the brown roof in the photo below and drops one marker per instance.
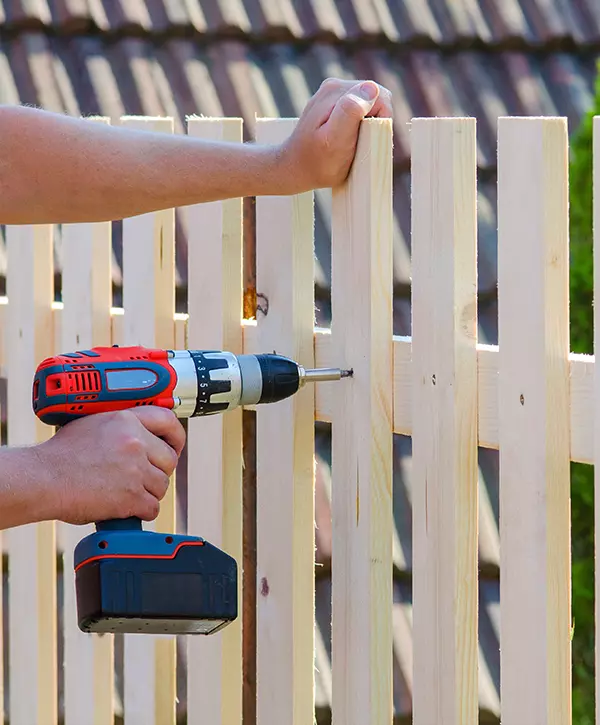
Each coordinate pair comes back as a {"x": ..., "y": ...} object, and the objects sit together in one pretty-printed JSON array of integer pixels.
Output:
[{"x": 482, "y": 58}]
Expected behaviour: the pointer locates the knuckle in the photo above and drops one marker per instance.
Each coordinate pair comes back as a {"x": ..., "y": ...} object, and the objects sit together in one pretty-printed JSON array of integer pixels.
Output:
[
  {"x": 330, "y": 83},
  {"x": 152, "y": 509},
  {"x": 132, "y": 445},
  {"x": 162, "y": 485}
]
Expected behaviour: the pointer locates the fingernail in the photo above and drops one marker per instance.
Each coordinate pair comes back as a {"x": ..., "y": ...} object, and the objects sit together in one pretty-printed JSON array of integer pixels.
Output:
[{"x": 368, "y": 91}]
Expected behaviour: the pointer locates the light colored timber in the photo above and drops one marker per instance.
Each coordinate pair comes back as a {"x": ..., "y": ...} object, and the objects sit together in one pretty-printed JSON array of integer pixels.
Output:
[
  {"x": 362, "y": 524},
  {"x": 581, "y": 376},
  {"x": 31, "y": 548},
  {"x": 214, "y": 671},
  {"x": 285, "y": 459},
  {"x": 533, "y": 421},
  {"x": 85, "y": 323},
  {"x": 596, "y": 392},
  {"x": 444, "y": 430},
  {"x": 149, "y": 308}
]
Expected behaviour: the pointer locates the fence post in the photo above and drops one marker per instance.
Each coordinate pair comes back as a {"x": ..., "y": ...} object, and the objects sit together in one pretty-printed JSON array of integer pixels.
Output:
[
  {"x": 215, "y": 293},
  {"x": 149, "y": 308},
  {"x": 444, "y": 413},
  {"x": 362, "y": 434},
  {"x": 31, "y": 548},
  {"x": 533, "y": 411},
  {"x": 285, "y": 458}
]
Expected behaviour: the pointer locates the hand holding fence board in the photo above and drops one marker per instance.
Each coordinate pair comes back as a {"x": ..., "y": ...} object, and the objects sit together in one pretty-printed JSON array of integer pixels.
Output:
[{"x": 536, "y": 433}]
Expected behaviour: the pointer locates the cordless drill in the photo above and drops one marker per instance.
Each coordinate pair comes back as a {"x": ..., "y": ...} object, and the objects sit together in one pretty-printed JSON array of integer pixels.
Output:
[{"x": 129, "y": 580}]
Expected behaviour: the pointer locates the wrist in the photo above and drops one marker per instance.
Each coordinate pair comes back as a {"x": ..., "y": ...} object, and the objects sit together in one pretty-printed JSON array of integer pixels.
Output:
[
  {"x": 27, "y": 492},
  {"x": 46, "y": 482}
]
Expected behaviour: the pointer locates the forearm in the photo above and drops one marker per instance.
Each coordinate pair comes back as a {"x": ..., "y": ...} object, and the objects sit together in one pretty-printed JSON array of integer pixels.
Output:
[
  {"x": 26, "y": 492},
  {"x": 55, "y": 168}
]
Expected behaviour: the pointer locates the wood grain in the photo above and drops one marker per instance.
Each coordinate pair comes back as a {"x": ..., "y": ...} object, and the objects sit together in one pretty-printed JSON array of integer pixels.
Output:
[
  {"x": 85, "y": 323},
  {"x": 149, "y": 308},
  {"x": 444, "y": 430},
  {"x": 215, "y": 443},
  {"x": 362, "y": 435},
  {"x": 581, "y": 377},
  {"x": 533, "y": 416},
  {"x": 285, "y": 459},
  {"x": 31, "y": 548}
]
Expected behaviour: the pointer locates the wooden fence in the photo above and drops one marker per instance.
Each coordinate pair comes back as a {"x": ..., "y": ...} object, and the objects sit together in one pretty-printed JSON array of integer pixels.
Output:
[{"x": 529, "y": 397}]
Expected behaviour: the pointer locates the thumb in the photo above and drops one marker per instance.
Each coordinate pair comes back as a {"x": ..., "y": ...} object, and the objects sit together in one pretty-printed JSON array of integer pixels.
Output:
[{"x": 351, "y": 108}]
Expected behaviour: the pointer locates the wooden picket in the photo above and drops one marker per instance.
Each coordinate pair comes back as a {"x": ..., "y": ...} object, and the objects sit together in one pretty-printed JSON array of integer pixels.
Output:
[
  {"x": 149, "y": 308},
  {"x": 85, "y": 323},
  {"x": 32, "y": 568},
  {"x": 215, "y": 443},
  {"x": 444, "y": 433},
  {"x": 361, "y": 305},
  {"x": 285, "y": 458},
  {"x": 533, "y": 421},
  {"x": 528, "y": 397}
]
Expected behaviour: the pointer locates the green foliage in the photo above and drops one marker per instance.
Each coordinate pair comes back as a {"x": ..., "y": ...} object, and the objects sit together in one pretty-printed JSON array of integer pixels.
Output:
[{"x": 582, "y": 476}]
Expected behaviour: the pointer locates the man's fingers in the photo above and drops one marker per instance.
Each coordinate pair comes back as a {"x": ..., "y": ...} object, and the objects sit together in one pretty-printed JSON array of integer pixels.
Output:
[
  {"x": 160, "y": 453},
  {"x": 349, "y": 111},
  {"x": 156, "y": 483},
  {"x": 148, "y": 507},
  {"x": 163, "y": 424}
]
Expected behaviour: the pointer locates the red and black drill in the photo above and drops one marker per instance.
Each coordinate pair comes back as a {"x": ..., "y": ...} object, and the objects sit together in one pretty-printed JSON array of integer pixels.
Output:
[{"x": 130, "y": 580}]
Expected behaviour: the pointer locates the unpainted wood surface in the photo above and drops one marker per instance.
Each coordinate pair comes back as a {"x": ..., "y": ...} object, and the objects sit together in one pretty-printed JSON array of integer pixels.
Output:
[
  {"x": 32, "y": 573},
  {"x": 362, "y": 435},
  {"x": 215, "y": 442},
  {"x": 149, "y": 307},
  {"x": 444, "y": 430},
  {"x": 533, "y": 422},
  {"x": 285, "y": 459},
  {"x": 581, "y": 377},
  {"x": 85, "y": 323},
  {"x": 596, "y": 392}
]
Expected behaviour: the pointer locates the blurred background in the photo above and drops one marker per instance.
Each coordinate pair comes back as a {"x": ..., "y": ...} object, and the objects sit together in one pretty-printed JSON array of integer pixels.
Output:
[{"x": 480, "y": 58}]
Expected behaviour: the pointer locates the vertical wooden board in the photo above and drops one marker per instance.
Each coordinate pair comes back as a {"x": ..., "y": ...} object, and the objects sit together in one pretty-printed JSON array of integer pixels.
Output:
[
  {"x": 215, "y": 296},
  {"x": 32, "y": 548},
  {"x": 85, "y": 323},
  {"x": 444, "y": 429},
  {"x": 285, "y": 458},
  {"x": 149, "y": 308},
  {"x": 533, "y": 409},
  {"x": 361, "y": 334},
  {"x": 596, "y": 395}
]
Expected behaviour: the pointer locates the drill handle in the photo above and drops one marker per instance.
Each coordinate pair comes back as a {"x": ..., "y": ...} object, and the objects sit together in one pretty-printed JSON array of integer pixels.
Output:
[{"x": 129, "y": 524}]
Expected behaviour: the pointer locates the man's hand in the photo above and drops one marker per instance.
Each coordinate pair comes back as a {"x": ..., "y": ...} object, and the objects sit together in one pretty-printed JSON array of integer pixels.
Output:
[
  {"x": 111, "y": 465},
  {"x": 58, "y": 169},
  {"x": 320, "y": 151}
]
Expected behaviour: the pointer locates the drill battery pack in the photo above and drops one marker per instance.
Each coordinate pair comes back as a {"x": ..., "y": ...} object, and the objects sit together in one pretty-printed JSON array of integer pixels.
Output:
[{"x": 133, "y": 581}]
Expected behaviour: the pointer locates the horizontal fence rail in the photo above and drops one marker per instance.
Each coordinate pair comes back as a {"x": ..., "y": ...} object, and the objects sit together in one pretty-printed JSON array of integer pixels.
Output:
[{"x": 528, "y": 397}]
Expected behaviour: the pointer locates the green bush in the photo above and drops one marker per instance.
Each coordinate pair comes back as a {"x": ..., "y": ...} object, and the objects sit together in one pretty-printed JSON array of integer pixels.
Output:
[{"x": 582, "y": 476}]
